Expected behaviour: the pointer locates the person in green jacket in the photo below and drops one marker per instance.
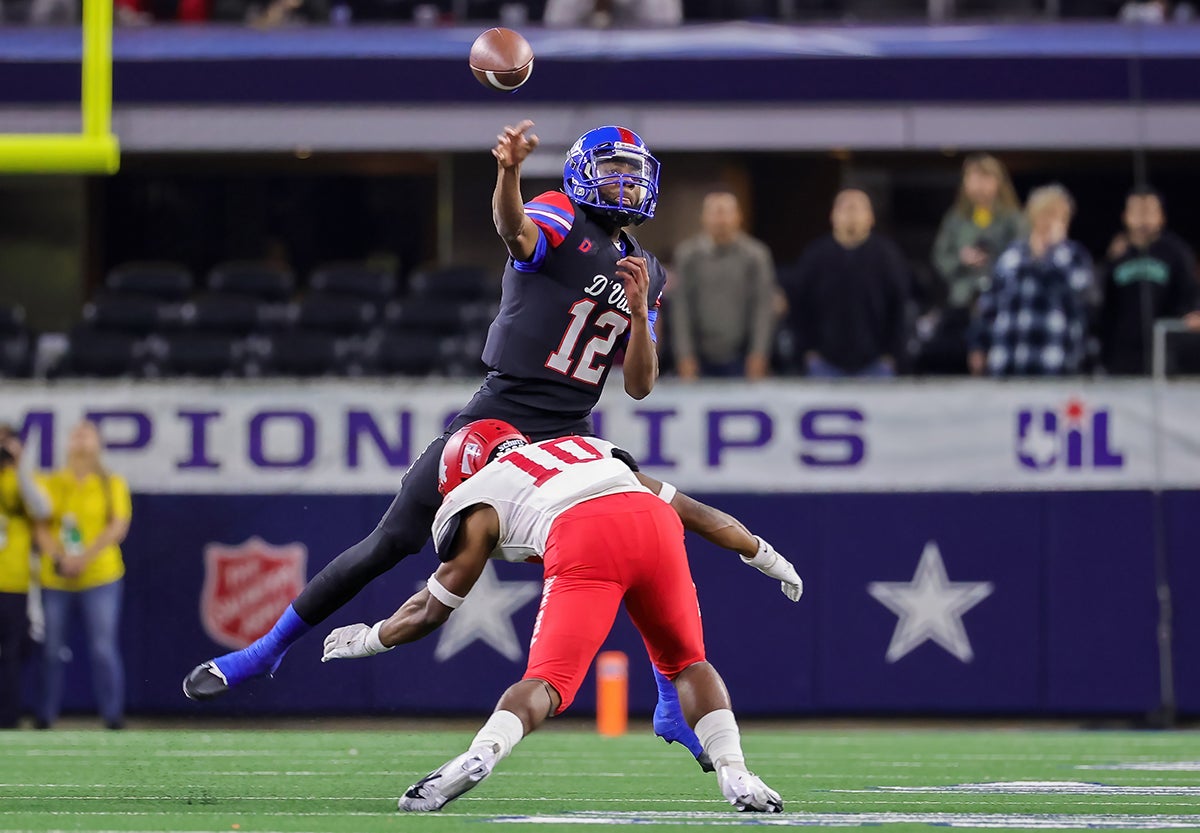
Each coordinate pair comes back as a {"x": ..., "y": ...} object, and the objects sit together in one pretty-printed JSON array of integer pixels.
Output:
[{"x": 984, "y": 220}]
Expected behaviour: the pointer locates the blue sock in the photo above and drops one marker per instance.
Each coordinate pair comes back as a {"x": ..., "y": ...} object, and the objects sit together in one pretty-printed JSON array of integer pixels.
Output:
[
  {"x": 668, "y": 717},
  {"x": 264, "y": 654}
]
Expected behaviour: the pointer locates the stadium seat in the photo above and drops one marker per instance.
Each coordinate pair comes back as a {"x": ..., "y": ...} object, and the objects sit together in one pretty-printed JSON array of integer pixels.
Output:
[
  {"x": 334, "y": 314},
  {"x": 466, "y": 283},
  {"x": 358, "y": 280},
  {"x": 16, "y": 355},
  {"x": 12, "y": 319},
  {"x": 106, "y": 354},
  {"x": 225, "y": 314},
  {"x": 195, "y": 354},
  {"x": 445, "y": 316},
  {"x": 126, "y": 314},
  {"x": 164, "y": 281},
  {"x": 301, "y": 354},
  {"x": 264, "y": 281},
  {"x": 409, "y": 354}
]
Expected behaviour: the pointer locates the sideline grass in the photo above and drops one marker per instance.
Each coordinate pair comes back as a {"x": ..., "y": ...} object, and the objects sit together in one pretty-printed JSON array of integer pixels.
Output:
[{"x": 347, "y": 781}]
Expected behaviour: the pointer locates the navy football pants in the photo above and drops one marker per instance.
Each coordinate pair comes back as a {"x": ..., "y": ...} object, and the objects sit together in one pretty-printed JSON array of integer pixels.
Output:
[{"x": 403, "y": 530}]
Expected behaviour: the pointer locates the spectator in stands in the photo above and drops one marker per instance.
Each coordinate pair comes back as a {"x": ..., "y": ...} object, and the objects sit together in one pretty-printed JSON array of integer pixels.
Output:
[
  {"x": 82, "y": 567},
  {"x": 1156, "y": 11},
  {"x": 1032, "y": 320},
  {"x": 604, "y": 13},
  {"x": 983, "y": 222},
  {"x": 1150, "y": 274},
  {"x": 722, "y": 307},
  {"x": 847, "y": 297},
  {"x": 24, "y": 506}
]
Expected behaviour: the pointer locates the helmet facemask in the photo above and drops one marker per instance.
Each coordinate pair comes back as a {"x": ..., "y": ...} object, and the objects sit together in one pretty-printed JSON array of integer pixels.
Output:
[{"x": 619, "y": 179}]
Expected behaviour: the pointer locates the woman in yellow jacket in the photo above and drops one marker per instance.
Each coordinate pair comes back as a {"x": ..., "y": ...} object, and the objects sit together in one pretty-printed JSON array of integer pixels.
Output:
[
  {"x": 82, "y": 565},
  {"x": 24, "y": 508}
]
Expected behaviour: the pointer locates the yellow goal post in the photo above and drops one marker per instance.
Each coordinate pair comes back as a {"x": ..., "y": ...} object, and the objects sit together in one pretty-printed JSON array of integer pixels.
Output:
[{"x": 94, "y": 150}]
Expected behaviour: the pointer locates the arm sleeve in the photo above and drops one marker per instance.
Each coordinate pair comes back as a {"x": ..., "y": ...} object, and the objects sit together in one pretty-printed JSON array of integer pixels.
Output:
[
  {"x": 1107, "y": 319},
  {"x": 899, "y": 286},
  {"x": 979, "y": 333},
  {"x": 945, "y": 255},
  {"x": 554, "y": 215},
  {"x": 762, "y": 321},
  {"x": 800, "y": 309},
  {"x": 36, "y": 499},
  {"x": 1083, "y": 279},
  {"x": 680, "y": 310},
  {"x": 1185, "y": 282},
  {"x": 122, "y": 505}
]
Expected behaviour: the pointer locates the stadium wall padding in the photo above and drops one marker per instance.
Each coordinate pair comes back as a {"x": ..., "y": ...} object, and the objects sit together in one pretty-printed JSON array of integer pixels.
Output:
[{"x": 1066, "y": 624}]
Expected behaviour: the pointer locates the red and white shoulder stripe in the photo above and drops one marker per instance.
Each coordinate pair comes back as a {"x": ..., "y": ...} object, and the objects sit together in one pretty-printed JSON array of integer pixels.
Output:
[{"x": 554, "y": 214}]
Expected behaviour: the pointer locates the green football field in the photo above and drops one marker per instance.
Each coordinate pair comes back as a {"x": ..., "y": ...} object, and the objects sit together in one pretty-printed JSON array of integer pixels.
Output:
[{"x": 329, "y": 779}]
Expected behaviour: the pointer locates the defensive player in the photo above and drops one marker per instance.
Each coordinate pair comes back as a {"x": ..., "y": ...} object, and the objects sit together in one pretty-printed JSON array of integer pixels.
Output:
[
  {"x": 576, "y": 287},
  {"x": 604, "y": 538}
]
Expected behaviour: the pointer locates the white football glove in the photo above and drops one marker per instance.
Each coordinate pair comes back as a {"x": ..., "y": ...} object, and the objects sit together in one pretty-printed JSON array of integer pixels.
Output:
[
  {"x": 772, "y": 564},
  {"x": 353, "y": 642}
]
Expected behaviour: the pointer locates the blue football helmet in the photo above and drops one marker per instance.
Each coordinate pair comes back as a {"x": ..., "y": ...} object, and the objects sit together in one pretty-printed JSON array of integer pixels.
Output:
[{"x": 616, "y": 160}]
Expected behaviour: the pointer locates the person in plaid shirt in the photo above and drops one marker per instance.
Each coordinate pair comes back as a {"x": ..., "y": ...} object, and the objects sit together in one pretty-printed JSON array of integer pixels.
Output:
[{"x": 1032, "y": 319}]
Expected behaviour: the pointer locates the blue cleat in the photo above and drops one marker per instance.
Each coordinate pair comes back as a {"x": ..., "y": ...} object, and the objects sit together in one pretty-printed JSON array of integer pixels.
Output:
[
  {"x": 670, "y": 725},
  {"x": 259, "y": 658},
  {"x": 213, "y": 678}
]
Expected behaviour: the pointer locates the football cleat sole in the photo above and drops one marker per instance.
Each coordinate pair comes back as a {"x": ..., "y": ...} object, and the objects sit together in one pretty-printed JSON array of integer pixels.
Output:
[
  {"x": 205, "y": 682},
  {"x": 447, "y": 782}
]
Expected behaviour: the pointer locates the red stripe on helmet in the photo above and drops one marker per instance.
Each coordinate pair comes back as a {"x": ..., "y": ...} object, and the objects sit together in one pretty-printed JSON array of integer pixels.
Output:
[{"x": 627, "y": 136}]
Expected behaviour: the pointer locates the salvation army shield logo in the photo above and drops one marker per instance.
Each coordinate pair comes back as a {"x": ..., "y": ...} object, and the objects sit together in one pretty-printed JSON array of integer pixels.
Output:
[{"x": 247, "y": 587}]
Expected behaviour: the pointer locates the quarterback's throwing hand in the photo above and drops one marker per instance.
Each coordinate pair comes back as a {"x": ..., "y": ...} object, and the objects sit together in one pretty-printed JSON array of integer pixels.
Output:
[
  {"x": 770, "y": 563},
  {"x": 513, "y": 145},
  {"x": 353, "y": 642}
]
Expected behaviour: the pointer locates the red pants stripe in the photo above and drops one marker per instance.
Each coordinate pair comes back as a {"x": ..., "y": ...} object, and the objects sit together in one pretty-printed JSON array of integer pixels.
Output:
[{"x": 624, "y": 547}]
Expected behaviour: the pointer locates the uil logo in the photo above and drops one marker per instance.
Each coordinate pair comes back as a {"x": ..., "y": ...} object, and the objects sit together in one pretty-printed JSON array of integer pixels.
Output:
[{"x": 1071, "y": 438}]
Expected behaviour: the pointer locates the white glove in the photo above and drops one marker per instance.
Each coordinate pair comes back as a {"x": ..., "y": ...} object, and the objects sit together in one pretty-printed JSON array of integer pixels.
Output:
[
  {"x": 353, "y": 642},
  {"x": 772, "y": 564}
]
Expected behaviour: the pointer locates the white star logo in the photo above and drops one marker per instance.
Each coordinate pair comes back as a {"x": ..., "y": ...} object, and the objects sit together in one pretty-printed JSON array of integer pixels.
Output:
[
  {"x": 930, "y": 607},
  {"x": 486, "y": 615}
]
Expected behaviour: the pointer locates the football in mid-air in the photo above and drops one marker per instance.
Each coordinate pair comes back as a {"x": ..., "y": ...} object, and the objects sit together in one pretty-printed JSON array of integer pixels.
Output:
[{"x": 501, "y": 59}]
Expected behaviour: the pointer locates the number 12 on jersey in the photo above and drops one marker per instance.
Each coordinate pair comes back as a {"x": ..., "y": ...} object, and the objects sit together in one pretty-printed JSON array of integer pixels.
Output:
[
  {"x": 567, "y": 451},
  {"x": 591, "y": 364}
]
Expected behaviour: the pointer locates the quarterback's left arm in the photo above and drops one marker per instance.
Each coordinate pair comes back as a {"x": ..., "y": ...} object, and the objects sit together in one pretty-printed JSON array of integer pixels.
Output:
[
  {"x": 432, "y": 605},
  {"x": 641, "y": 359}
]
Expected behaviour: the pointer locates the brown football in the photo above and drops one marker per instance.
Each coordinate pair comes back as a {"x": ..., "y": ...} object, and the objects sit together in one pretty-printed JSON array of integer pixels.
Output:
[{"x": 501, "y": 59}]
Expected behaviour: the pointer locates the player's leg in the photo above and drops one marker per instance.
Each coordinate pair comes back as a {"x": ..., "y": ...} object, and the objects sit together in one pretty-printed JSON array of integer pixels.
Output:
[
  {"x": 669, "y": 722},
  {"x": 707, "y": 707},
  {"x": 662, "y": 604},
  {"x": 403, "y": 530},
  {"x": 580, "y": 598},
  {"x": 522, "y": 708}
]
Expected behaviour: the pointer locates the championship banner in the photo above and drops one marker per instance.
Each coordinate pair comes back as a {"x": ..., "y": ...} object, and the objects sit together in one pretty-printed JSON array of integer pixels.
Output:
[{"x": 358, "y": 437}]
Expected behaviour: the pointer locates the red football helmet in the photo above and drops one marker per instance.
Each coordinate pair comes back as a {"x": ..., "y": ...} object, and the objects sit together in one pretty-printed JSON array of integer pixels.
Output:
[{"x": 471, "y": 447}]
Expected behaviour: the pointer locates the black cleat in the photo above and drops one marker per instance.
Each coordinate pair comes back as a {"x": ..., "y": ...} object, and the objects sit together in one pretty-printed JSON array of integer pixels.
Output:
[
  {"x": 705, "y": 762},
  {"x": 205, "y": 682}
]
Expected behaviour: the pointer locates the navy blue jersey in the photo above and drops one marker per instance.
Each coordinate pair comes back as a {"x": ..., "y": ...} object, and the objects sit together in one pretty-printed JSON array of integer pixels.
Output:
[{"x": 563, "y": 313}]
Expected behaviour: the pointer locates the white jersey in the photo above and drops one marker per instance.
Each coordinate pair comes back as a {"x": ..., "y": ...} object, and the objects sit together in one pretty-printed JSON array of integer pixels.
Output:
[{"x": 530, "y": 487}]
